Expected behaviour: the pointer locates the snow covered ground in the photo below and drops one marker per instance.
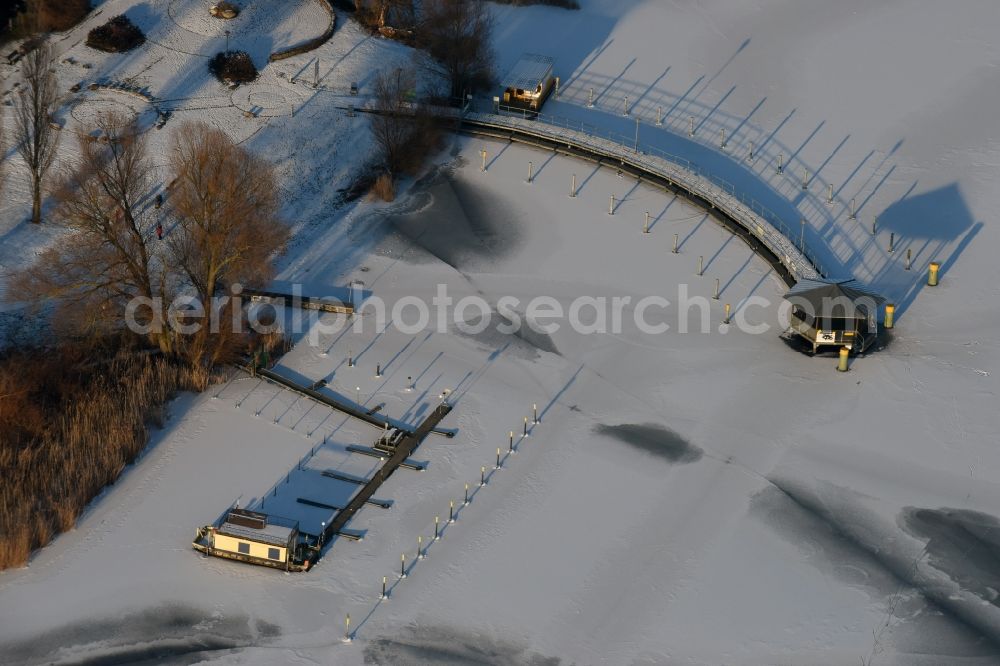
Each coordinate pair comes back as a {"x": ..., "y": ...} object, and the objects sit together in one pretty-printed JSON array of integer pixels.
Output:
[{"x": 696, "y": 498}]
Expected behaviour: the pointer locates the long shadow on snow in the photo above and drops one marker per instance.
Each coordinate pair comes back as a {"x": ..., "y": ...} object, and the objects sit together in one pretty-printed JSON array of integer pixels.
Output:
[{"x": 845, "y": 540}]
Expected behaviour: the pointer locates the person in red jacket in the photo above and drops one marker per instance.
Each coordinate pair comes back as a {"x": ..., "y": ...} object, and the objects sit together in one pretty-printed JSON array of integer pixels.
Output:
[{"x": 159, "y": 231}]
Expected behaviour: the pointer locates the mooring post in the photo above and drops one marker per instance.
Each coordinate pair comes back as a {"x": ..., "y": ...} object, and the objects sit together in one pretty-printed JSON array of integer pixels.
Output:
[
  {"x": 829, "y": 195},
  {"x": 659, "y": 115},
  {"x": 909, "y": 258},
  {"x": 526, "y": 427},
  {"x": 611, "y": 206},
  {"x": 892, "y": 242},
  {"x": 805, "y": 180},
  {"x": 750, "y": 156},
  {"x": 853, "y": 214},
  {"x": 437, "y": 528},
  {"x": 498, "y": 458},
  {"x": 701, "y": 266},
  {"x": 534, "y": 409},
  {"x": 451, "y": 511},
  {"x": 645, "y": 225},
  {"x": 420, "y": 547},
  {"x": 932, "y": 274},
  {"x": 590, "y": 100},
  {"x": 466, "y": 502},
  {"x": 716, "y": 294},
  {"x": 511, "y": 442},
  {"x": 482, "y": 153},
  {"x": 347, "y": 629},
  {"x": 572, "y": 187},
  {"x": 874, "y": 225},
  {"x": 722, "y": 141},
  {"x": 690, "y": 126},
  {"x": 626, "y": 106},
  {"x": 482, "y": 477},
  {"x": 674, "y": 248},
  {"x": 890, "y": 311},
  {"x": 350, "y": 358},
  {"x": 384, "y": 595},
  {"x": 842, "y": 364},
  {"x": 378, "y": 370},
  {"x": 781, "y": 159},
  {"x": 530, "y": 165},
  {"x": 402, "y": 565},
  {"x": 726, "y": 320}
]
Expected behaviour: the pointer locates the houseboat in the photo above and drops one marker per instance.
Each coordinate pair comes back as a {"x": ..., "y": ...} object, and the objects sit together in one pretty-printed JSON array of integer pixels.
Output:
[
  {"x": 528, "y": 84},
  {"x": 257, "y": 538}
]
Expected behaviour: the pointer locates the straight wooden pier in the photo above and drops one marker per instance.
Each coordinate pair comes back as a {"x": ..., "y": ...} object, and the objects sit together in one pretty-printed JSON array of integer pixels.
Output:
[
  {"x": 297, "y": 300},
  {"x": 341, "y": 406},
  {"x": 407, "y": 445}
]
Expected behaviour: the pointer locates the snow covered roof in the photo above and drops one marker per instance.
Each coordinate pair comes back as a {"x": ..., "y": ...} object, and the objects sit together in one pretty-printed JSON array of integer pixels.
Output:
[
  {"x": 823, "y": 294},
  {"x": 528, "y": 72},
  {"x": 273, "y": 530}
]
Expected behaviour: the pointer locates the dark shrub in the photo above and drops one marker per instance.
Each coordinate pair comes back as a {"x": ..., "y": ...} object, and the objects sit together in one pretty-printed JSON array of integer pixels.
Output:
[
  {"x": 117, "y": 35},
  {"x": 233, "y": 66}
]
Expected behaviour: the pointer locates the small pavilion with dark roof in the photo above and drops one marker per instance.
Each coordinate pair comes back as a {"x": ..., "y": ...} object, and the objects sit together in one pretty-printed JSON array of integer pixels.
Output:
[{"x": 831, "y": 313}]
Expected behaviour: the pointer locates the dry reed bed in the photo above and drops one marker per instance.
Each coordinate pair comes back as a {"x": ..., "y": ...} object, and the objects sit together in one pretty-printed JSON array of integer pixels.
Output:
[{"x": 92, "y": 422}]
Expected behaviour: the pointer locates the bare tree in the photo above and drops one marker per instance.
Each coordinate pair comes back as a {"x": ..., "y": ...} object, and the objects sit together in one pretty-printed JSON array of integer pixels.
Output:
[
  {"x": 457, "y": 35},
  {"x": 394, "y": 125},
  {"x": 382, "y": 13},
  {"x": 36, "y": 138},
  {"x": 225, "y": 203},
  {"x": 111, "y": 254}
]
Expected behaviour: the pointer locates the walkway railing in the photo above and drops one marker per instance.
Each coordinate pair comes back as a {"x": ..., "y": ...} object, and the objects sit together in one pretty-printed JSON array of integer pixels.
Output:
[
  {"x": 744, "y": 210},
  {"x": 773, "y": 232}
]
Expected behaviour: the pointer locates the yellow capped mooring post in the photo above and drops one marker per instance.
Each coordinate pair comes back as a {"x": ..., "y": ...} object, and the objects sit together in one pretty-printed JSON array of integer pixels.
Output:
[
  {"x": 890, "y": 310},
  {"x": 932, "y": 274},
  {"x": 844, "y": 353}
]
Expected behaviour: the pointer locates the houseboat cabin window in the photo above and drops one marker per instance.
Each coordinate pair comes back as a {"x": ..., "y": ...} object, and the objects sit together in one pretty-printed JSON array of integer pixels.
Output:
[
  {"x": 273, "y": 554},
  {"x": 244, "y": 548}
]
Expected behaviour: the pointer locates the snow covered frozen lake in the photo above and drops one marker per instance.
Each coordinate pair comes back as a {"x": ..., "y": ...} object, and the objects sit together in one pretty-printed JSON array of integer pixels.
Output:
[{"x": 693, "y": 498}]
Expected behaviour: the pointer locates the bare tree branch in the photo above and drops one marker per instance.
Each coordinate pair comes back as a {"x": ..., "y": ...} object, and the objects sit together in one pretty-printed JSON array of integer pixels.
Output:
[
  {"x": 457, "y": 36},
  {"x": 36, "y": 138},
  {"x": 225, "y": 202},
  {"x": 110, "y": 255}
]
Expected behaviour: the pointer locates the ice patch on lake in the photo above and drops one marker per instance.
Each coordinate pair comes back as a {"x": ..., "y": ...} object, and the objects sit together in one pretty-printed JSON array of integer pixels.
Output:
[{"x": 654, "y": 439}]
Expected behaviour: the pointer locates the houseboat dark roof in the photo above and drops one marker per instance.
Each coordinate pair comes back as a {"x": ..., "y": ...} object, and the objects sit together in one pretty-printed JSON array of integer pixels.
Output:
[{"x": 849, "y": 297}]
